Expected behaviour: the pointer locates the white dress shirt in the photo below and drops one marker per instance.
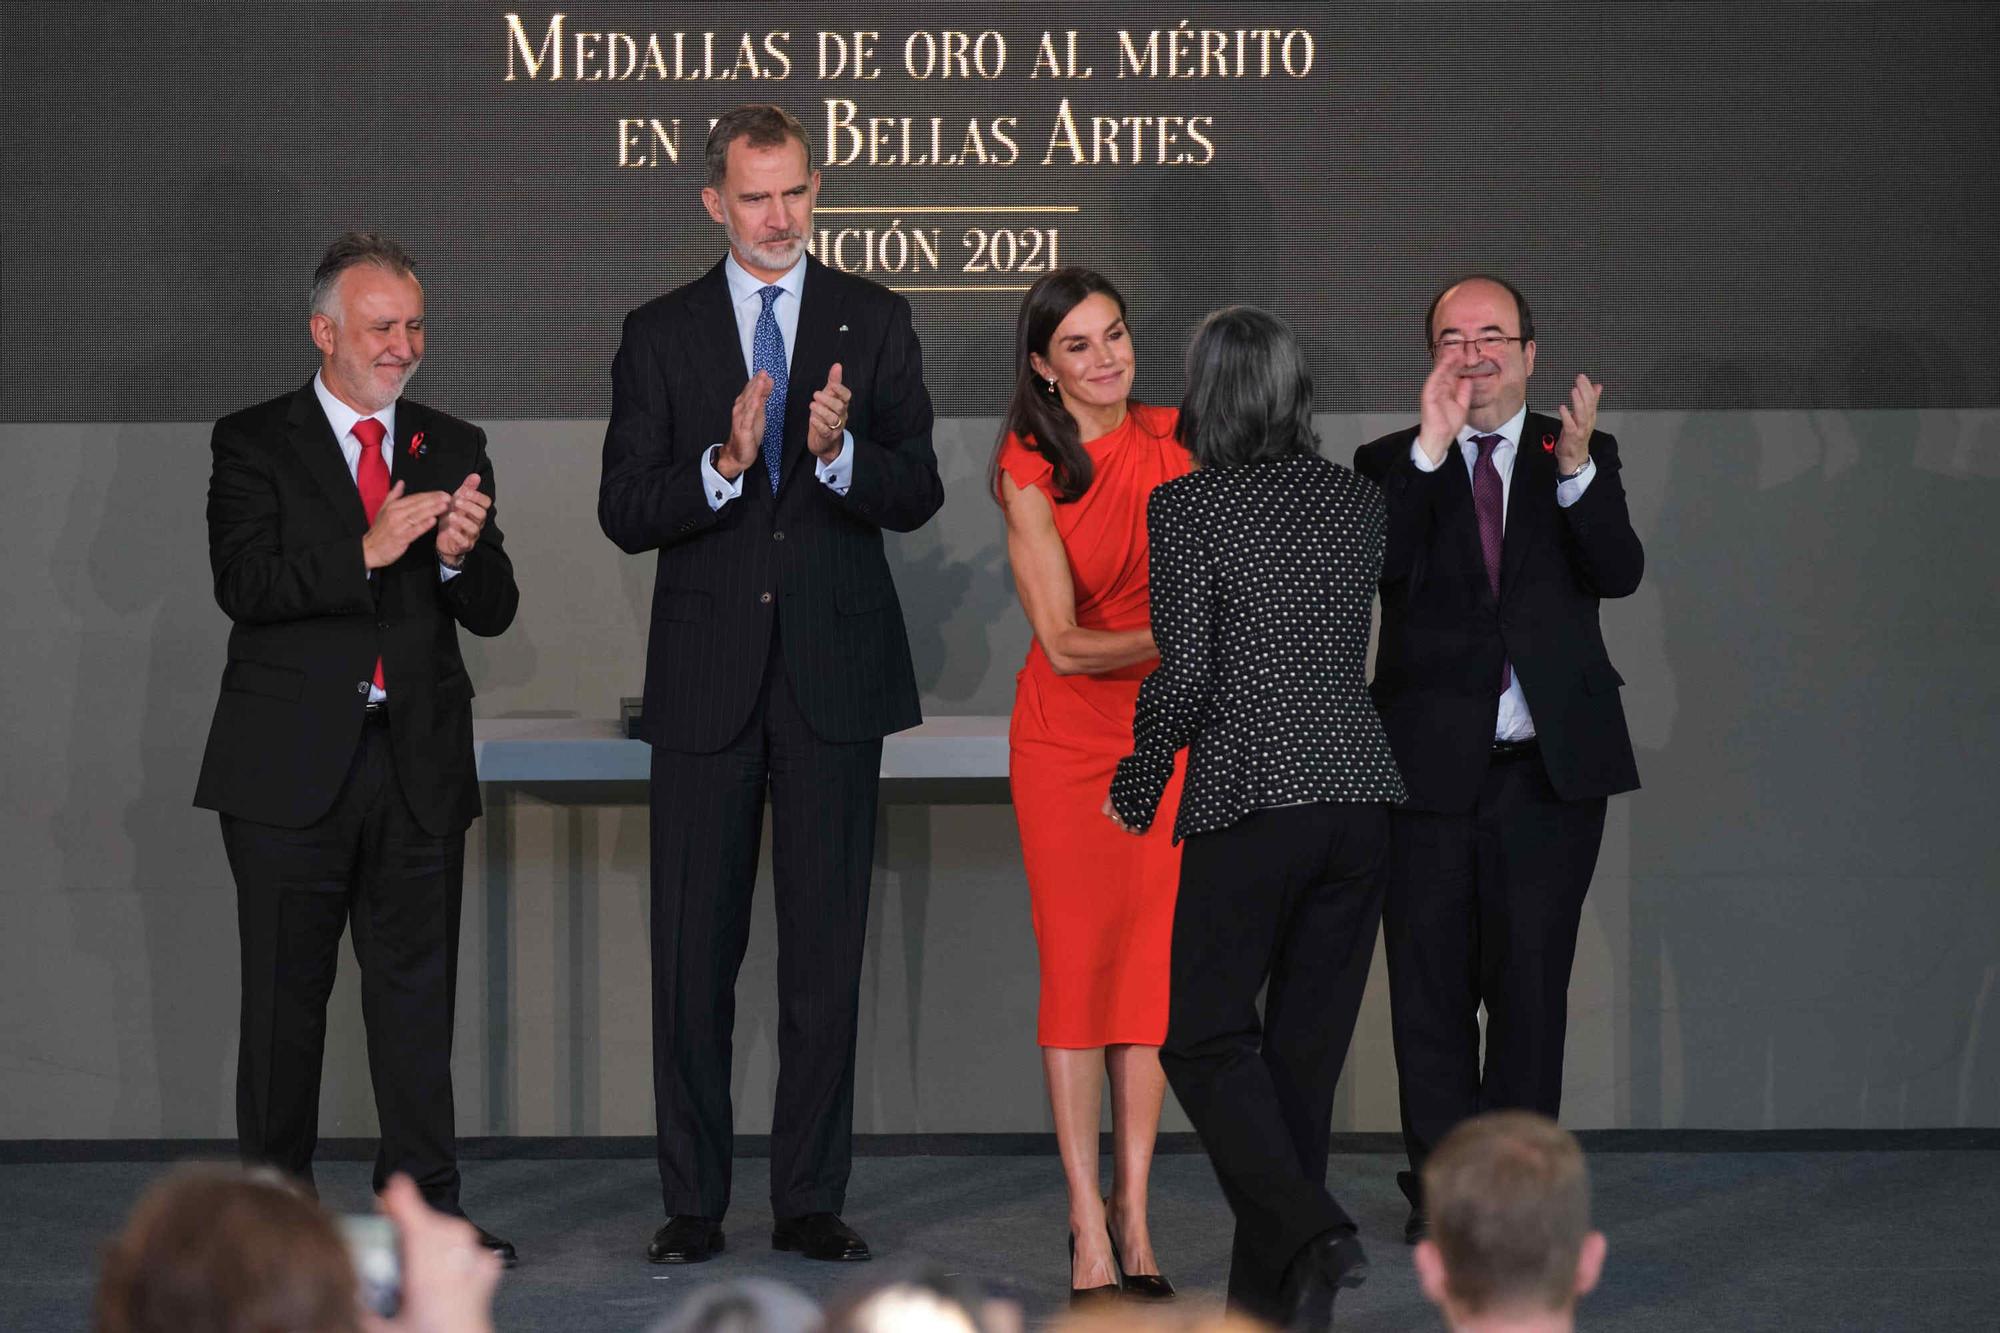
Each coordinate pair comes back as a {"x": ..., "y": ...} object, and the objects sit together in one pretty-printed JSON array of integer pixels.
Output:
[
  {"x": 1514, "y": 723},
  {"x": 745, "y": 301},
  {"x": 342, "y": 418}
]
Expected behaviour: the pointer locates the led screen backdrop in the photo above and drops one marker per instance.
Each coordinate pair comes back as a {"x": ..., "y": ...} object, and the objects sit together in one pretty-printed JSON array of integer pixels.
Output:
[{"x": 1773, "y": 205}]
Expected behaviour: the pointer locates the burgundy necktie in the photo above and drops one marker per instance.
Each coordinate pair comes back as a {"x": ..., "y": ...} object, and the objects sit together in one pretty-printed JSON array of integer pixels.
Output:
[
  {"x": 371, "y": 475},
  {"x": 1489, "y": 503}
]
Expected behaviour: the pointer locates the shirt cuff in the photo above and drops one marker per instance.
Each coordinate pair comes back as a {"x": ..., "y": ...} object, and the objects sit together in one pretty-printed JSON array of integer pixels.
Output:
[
  {"x": 714, "y": 489},
  {"x": 1422, "y": 460},
  {"x": 446, "y": 573},
  {"x": 1570, "y": 489},
  {"x": 838, "y": 472}
]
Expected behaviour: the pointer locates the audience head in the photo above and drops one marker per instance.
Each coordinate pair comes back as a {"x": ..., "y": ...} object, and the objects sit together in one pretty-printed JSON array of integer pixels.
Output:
[
  {"x": 1073, "y": 367},
  {"x": 748, "y": 1305},
  {"x": 1248, "y": 396},
  {"x": 1510, "y": 1237},
  {"x": 217, "y": 1250},
  {"x": 924, "y": 1301}
]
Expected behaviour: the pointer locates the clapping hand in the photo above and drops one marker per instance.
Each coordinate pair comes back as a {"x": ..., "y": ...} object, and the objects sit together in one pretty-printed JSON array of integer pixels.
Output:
[
  {"x": 1446, "y": 401},
  {"x": 400, "y": 520},
  {"x": 828, "y": 416},
  {"x": 463, "y": 522},
  {"x": 746, "y": 427},
  {"x": 1579, "y": 418}
]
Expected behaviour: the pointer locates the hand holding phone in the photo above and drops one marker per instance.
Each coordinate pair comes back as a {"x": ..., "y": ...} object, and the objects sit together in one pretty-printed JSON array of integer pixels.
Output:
[{"x": 447, "y": 1279}]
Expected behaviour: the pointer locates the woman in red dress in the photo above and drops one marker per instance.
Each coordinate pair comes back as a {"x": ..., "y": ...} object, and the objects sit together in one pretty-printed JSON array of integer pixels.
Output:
[{"x": 1076, "y": 461}]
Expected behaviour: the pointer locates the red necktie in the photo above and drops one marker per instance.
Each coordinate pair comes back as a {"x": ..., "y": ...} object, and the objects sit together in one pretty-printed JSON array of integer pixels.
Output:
[
  {"x": 371, "y": 475},
  {"x": 1488, "y": 500}
]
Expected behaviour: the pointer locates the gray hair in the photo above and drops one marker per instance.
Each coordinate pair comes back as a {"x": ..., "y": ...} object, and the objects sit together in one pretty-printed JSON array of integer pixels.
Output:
[
  {"x": 1248, "y": 396},
  {"x": 764, "y": 125},
  {"x": 349, "y": 249},
  {"x": 747, "y": 1305}
]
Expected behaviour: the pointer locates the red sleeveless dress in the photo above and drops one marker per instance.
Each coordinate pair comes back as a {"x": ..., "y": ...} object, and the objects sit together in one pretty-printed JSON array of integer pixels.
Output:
[{"x": 1103, "y": 900}]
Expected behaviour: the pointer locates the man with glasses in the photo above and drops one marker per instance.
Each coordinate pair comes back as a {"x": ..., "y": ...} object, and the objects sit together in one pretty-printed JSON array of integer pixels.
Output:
[{"x": 1505, "y": 529}]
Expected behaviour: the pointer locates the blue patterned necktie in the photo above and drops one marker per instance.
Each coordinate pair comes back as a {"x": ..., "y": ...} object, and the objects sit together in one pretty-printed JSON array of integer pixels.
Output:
[{"x": 767, "y": 353}]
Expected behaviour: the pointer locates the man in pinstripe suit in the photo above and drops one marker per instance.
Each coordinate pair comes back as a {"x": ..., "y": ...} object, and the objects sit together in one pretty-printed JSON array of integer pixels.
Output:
[{"x": 768, "y": 421}]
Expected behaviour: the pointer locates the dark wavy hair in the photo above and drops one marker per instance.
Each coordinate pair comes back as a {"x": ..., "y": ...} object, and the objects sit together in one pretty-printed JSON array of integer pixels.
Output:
[
  {"x": 1036, "y": 413},
  {"x": 1248, "y": 398}
]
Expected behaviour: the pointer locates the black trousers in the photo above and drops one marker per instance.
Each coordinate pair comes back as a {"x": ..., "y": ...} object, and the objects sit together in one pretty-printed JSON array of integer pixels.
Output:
[
  {"x": 707, "y": 816},
  {"x": 1291, "y": 895},
  {"x": 367, "y": 861},
  {"x": 1483, "y": 908}
]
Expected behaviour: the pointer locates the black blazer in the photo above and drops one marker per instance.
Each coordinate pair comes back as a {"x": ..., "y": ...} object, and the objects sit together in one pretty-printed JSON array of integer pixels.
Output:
[
  {"x": 1444, "y": 637},
  {"x": 284, "y": 543},
  {"x": 808, "y": 563},
  {"x": 1263, "y": 582}
]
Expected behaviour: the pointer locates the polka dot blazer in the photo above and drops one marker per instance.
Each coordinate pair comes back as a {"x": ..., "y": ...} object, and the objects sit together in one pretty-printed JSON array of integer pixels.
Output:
[{"x": 1263, "y": 584}]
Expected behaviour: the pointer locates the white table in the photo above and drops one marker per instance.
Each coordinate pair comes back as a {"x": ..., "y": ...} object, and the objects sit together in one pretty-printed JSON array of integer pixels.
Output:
[{"x": 544, "y": 750}]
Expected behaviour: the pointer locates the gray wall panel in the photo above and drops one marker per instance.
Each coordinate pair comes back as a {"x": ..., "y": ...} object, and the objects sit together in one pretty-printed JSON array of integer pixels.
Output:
[{"x": 1793, "y": 924}]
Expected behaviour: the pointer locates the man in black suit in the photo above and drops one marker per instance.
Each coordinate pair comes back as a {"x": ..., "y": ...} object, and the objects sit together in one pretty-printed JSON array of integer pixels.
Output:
[
  {"x": 1506, "y": 527},
  {"x": 768, "y": 421},
  {"x": 350, "y": 533}
]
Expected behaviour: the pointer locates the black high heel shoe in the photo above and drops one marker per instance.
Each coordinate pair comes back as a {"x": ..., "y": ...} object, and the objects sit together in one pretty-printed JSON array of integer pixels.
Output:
[
  {"x": 1089, "y": 1295},
  {"x": 1139, "y": 1286}
]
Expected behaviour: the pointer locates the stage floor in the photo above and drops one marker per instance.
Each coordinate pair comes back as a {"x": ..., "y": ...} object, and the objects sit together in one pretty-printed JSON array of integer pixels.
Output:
[{"x": 1700, "y": 1241}]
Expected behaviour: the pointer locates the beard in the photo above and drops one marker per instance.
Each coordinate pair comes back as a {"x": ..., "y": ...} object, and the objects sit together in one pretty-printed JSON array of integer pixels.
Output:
[
  {"x": 773, "y": 252},
  {"x": 371, "y": 384}
]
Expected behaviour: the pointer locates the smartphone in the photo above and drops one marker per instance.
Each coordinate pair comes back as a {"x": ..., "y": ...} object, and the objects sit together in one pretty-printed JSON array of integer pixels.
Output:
[{"x": 378, "y": 1262}]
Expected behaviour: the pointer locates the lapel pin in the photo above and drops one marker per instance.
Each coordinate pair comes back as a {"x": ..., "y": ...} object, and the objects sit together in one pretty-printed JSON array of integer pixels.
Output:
[
  {"x": 1548, "y": 444},
  {"x": 417, "y": 449},
  {"x": 843, "y": 328}
]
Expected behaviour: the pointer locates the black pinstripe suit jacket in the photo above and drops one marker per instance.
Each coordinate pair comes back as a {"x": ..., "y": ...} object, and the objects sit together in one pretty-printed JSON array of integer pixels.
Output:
[{"x": 807, "y": 563}]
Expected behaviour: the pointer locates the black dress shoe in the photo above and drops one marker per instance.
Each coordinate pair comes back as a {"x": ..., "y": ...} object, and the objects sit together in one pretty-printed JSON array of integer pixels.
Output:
[
  {"x": 1086, "y": 1296},
  {"x": 685, "y": 1239},
  {"x": 820, "y": 1236},
  {"x": 502, "y": 1249},
  {"x": 1324, "y": 1265}
]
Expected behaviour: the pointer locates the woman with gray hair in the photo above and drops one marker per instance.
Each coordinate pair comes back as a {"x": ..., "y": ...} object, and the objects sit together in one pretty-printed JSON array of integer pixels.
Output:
[{"x": 1264, "y": 563}]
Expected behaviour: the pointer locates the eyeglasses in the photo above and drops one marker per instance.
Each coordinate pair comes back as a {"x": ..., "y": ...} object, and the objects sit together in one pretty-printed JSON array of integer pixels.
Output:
[{"x": 1485, "y": 342}]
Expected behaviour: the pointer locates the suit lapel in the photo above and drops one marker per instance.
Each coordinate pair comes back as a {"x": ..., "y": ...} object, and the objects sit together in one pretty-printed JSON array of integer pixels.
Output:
[
  {"x": 405, "y": 465},
  {"x": 818, "y": 345},
  {"x": 719, "y": 347},
  {"x": 1531, "y": 499},
  {"x": 311, "y": 438}
]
